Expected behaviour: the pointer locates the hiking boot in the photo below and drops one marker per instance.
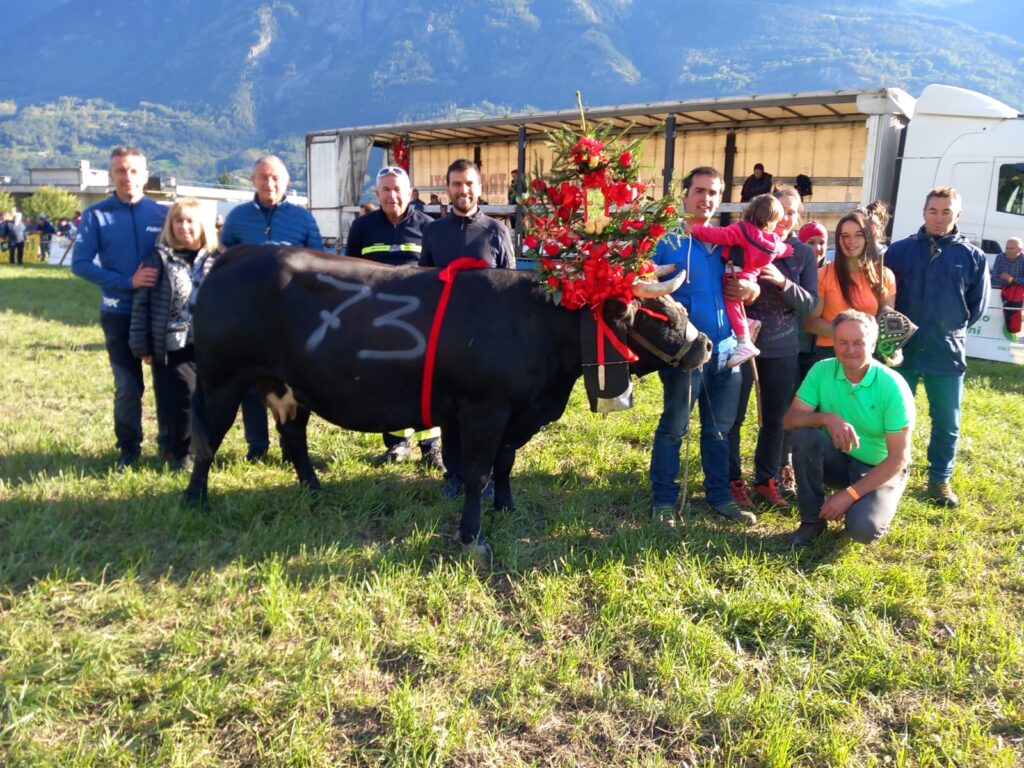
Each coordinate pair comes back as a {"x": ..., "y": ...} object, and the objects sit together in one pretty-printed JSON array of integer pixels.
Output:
[
  {"x": 393, "y": 455},
  {"x": 431, "y": 458},
  {"x": 769, "y": 491},
  {"x": 739, "y": 494},
  {"x": 742, "y": 353},
  {"x": 730, "y": 510},
  {"x": 665, "y": 514},
  {"x": 942, "y": 495},
  {"x": 806, "y": 533},
  {"x": 787, "y": 481}
]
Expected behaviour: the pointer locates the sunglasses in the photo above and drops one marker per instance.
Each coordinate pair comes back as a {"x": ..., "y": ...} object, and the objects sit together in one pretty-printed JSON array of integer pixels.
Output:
[{"x": 390, "y": 170}]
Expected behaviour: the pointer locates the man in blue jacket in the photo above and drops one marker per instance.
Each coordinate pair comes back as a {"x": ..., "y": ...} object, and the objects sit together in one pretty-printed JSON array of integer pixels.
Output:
[
  {"x": 714, "y": 385},
  {"x": 942, "y": 285},
  {"x": 269, "y": 218},
  {"x": 115, "y": 235}
]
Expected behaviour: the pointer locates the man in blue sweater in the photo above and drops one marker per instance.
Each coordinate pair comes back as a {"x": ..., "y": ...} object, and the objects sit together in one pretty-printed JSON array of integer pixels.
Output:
[
  {"x": 115, "y": 235},
  {"x": 942, "y": 285},
  {"x": 269, "y": 218},
  {"x": 714, "y": 385}
]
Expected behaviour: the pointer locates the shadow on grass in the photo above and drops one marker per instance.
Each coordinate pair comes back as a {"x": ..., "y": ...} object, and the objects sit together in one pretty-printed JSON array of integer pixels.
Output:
[
  {"x": 139, "y": 525},
  {"x": 42, "y": 292}
]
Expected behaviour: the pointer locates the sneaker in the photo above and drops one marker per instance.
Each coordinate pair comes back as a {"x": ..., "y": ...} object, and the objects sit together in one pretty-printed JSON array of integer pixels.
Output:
[
  {"x": 126, "y": 461},
  {"x": 665, "y": 514},
  {"x": 787, "y": 481},
  {"x": 396, "y": 453},
  {"x": 754, "y": 326},
  {"x": 431, "y": 458},
  {"x": 770, "y": 493},
  {"x": 742, "y": 353},
  {"x": 730, "y": 510},
  {"x": 806, "y": 533},
  {"x": 942, "y": 495},
  {"x": 739, "y": 494}
]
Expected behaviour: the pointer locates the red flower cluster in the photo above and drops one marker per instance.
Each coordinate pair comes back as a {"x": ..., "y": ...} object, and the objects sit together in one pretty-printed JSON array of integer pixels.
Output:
[{"x": 588, "y": 255}]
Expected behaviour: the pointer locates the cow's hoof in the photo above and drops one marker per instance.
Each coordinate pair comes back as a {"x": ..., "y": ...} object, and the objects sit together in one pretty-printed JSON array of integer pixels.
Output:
[
  {"x": 504, "y": 504},
  {"x": 478, "y": 547},
  {"x": 313, "y": 486},
  {"x": 197, "y": 499}
]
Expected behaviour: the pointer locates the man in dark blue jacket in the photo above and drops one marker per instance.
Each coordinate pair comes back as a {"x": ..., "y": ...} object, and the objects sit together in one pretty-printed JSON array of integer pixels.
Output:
[
  {"x": 393, "y": 235},
  {"x": 942, "y": 285},
  {"x": 269, "y": 218},
  {"x": 714, "y": 385},
  {"x": 115, "y": 235}
]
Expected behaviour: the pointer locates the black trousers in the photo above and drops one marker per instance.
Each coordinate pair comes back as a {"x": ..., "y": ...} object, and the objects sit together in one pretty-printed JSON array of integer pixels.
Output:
[
  {"x": 16, "y": 248},
  {"x": 778, "y": 377},
  {"x": 173, "y": 384}
]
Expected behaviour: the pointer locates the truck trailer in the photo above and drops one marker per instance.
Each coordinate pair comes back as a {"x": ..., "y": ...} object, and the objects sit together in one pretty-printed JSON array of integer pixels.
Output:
[{"x": 854, "y": 145}]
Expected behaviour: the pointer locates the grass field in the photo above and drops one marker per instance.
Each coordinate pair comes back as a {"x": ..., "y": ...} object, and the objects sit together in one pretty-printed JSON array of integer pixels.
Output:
[{"x": 284, "y": 630}]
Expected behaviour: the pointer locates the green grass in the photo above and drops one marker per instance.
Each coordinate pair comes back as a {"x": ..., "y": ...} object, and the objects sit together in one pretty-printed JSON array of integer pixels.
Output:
[{"x": 285, "y": 630}]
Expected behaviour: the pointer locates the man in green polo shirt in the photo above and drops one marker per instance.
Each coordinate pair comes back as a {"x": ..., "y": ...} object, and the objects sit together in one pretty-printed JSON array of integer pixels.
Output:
[{"x": 851, "y": 421}]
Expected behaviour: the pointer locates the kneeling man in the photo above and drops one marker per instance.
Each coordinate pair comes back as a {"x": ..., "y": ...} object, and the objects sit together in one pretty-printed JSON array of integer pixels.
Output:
[{"x": 851, "y": 421}]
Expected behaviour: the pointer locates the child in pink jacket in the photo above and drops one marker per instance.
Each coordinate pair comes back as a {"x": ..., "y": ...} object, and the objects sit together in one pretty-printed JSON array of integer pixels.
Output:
[{"x": 755, "y": 237}]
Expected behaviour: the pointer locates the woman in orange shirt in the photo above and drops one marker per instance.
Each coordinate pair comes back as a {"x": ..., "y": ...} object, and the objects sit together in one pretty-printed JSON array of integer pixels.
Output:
[{"x": 855, "y": 280}]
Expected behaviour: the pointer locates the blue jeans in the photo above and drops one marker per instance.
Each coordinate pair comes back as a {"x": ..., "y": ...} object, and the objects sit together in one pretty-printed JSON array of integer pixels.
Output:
[
  {"x": 945, "y": 393},
  {"x": 128, "y": 382},
  {"x": 717, "y": 390}
]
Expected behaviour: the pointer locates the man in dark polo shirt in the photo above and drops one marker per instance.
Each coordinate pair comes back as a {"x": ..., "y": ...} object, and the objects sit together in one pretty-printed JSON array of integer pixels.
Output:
[
  {"x": 466, "y": 231},
  {"x": 393, "y": 234}
]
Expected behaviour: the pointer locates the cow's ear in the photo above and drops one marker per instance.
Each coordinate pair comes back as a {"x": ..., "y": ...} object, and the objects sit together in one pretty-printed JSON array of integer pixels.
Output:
[{"x": 619, "y": 311}]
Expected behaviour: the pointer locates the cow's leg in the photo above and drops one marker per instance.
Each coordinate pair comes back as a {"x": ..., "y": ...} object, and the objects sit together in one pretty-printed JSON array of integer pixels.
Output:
[
  {"x": 503, "y": 462},
  {"x": 481, "y": 428},
  {"x": 295, "y": 447},
  {"x": 212, "y": 417}
]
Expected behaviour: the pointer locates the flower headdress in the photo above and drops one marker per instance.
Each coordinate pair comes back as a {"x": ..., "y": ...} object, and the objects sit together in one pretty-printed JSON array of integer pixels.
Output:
[{"x": 590, "y": 224}]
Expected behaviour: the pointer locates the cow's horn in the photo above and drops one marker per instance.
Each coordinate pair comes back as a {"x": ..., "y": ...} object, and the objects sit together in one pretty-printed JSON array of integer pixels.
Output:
[
  {"x": 654, "y": 290},
  {"x": 663, "y": 269}
]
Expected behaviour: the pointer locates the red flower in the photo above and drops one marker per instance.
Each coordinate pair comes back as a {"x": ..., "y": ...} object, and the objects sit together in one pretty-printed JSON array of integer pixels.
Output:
[
  {"x": 625, "y": 159},
  {"x": 538, "y": 185},
  {"x": 547, "y": 264},
  {"x": 669, "y": 210},
  {"x": 530, "y": 241},
  {"x": 552, "y": 249},
  {"x": 656, "y": 230},
  {"x": 565, "y": 240},
  {"x": 619, "y": 193},
  {"x": 595, "y": 179}
]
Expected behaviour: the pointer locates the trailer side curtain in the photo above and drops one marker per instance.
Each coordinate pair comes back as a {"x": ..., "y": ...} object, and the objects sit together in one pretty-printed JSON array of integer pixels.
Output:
[{"x": 353, "y": 157}]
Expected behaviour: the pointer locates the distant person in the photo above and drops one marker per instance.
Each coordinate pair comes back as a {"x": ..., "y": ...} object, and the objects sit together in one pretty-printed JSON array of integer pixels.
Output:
[
  {"x": 46, "y": 232},
  {"x": 755, "y": 245},
  {"x": 434, "y": 199},
  {"x": 814, "y": 234},
  {"x": 513, "y": 187},
  {"x": 942, "y": 283},
  {"x": 804, "y": 186},
  {"x": 852, "y": 420},
  {"x": 269, "y": 218},
  {"x": 218, "y": 224},
  {"x": 757, "y": 183},
  {"x": 16, "y": 232},
  {"x": 1008, "y": 277},
  {"x": 119, "y": 232},
  {"x": 393, "y": 235},
  {"x": 414, "y": 200},
  {"x": 161, "y": 327},
  {"x": 366, "y": 208}
]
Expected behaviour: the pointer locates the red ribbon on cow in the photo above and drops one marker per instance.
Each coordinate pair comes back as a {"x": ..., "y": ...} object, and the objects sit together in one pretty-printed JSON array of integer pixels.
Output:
[
  {"x": 603, "y": 331},
  {"x": 446, "y": 276}
]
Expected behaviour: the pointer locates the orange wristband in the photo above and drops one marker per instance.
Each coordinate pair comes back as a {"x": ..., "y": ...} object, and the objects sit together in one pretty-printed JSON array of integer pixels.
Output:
[{"x": 852, "y": 492}]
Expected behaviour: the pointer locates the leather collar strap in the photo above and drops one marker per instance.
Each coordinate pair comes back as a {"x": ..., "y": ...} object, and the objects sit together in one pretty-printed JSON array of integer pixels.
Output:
[{"x": 446, "y": 276}]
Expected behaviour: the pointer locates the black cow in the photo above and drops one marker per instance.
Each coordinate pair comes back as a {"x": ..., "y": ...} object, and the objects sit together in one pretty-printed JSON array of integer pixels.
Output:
[{"x": 346, "y": 339}]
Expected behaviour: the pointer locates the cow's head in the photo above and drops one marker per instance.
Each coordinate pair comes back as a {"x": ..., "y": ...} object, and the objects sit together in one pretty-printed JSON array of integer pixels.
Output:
[{"x": 658, "y": 329}]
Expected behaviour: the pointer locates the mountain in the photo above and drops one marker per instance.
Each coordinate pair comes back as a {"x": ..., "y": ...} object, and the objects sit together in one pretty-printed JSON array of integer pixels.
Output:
[{"x": 224, "y": 77}]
